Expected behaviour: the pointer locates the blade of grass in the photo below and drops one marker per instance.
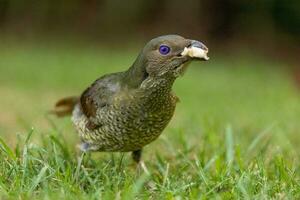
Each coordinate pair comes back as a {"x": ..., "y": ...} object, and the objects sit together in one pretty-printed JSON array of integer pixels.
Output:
[
  {"x": 29, "y": 136},
  {"x": 38, "y": 179},
  {"x": 259, "y": 137},
  {"x": 229, "y": 145},
  {"x": 7, "y": 150},
  {"x": 79, "y": 166},
  {"x": 63, "y": 148}
]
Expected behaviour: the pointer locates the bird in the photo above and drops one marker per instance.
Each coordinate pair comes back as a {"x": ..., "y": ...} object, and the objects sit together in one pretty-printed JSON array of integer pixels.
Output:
[{"x": 125, "y": 111}]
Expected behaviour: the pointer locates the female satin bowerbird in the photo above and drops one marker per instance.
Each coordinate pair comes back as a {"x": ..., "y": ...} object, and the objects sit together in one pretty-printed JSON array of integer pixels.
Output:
[{"x": 124, "y": 111}]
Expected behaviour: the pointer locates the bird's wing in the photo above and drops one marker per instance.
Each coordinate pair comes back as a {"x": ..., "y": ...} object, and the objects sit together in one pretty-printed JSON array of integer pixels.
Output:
[{"x": 99, "y": 94}]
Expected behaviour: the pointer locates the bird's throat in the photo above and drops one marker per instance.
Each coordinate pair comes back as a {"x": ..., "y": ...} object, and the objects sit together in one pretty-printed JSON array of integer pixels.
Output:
[{"x": 157, "y": 87}]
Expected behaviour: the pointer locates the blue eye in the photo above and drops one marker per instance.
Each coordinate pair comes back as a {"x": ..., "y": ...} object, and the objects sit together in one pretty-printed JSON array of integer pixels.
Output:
[{"x": 164, "y": 49}]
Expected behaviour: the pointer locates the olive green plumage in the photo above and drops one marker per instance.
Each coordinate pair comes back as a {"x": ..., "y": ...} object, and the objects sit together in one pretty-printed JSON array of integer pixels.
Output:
[{"x": 127, "y": 110}]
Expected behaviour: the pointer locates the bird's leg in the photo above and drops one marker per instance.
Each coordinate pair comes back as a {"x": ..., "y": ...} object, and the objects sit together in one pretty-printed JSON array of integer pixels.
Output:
[{"x": 136, "y": 156}]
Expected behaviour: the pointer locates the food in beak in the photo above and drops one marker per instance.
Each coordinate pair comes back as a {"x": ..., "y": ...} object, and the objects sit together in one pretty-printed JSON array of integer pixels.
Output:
[{"x": 195, "y": 52}]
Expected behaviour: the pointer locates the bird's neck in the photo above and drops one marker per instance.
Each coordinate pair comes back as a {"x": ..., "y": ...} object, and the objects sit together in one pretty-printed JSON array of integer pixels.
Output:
[
  {"x": 137, "y": 73},
  {"x": 137, "y": 77}
]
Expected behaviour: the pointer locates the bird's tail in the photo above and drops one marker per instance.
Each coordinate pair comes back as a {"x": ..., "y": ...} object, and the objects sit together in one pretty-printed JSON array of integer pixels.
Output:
[{"x": 65, "y": 106}]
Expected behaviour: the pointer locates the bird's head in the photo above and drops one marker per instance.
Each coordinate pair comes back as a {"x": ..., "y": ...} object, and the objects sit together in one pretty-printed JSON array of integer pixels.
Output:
[{"x": 167, "y": 57}]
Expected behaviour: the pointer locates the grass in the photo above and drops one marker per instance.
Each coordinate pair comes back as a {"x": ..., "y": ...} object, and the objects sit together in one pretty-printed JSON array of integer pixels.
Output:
[{"x": 235, "y": 134}]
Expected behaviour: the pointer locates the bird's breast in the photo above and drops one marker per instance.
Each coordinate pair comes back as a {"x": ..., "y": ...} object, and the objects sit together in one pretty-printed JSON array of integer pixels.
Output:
[{"x": 130, "y": 122}]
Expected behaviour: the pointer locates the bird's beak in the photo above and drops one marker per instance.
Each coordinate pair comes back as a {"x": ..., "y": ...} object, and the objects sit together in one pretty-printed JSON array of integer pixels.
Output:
[{"x": 196, "y": 50}]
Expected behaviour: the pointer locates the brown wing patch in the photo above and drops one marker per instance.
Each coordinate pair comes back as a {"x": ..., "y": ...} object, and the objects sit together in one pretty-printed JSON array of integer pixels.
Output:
[
  {"x": 99, "y": 94},
  {"x": 87, "y": 104}
]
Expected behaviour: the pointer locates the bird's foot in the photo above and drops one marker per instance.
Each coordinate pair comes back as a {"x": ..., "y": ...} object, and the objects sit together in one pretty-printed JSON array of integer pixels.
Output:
[
  {"x": 142, "y": 166},
  {"x": 136, "y": 156}
]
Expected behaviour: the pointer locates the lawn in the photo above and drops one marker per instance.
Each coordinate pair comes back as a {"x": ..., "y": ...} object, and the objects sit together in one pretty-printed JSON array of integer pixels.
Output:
[{"x": 235, "y": 133}]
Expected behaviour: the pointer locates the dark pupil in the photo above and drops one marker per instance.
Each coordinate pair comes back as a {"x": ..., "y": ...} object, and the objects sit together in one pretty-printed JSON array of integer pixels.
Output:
[{"x": 164, "y": 50}]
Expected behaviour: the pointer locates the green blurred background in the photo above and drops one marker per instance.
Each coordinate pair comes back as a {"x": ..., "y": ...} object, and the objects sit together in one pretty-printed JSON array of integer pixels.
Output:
[{"x": 51, "y": 48}]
